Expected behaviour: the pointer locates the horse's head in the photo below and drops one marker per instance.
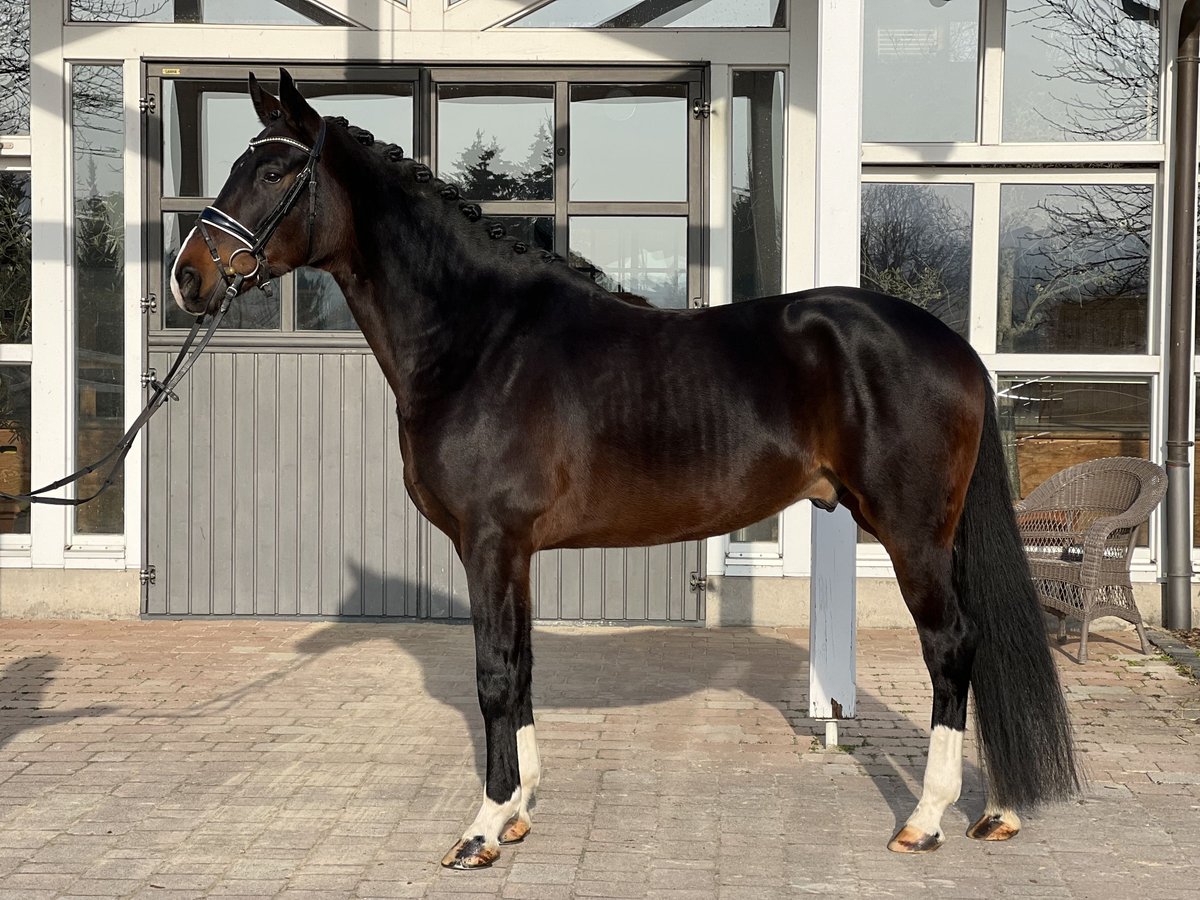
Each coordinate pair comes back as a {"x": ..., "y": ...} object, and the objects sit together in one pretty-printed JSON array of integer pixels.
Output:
[{"x": 270, "y": 217}]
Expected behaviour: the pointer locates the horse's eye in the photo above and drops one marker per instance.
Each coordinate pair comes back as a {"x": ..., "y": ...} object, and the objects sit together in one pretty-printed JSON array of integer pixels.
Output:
[{"x": 272, "y": 177}]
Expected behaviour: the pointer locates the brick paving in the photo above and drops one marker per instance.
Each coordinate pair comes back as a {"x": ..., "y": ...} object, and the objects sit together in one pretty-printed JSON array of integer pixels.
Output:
[{"x": 257, "y": 759}]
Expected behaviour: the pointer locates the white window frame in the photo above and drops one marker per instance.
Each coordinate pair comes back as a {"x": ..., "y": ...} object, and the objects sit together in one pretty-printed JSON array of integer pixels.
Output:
[{"x": 985, "y": 250}]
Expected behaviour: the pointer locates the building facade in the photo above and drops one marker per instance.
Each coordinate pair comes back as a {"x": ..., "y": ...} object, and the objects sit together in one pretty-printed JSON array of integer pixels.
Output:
[{"x": 1004, "y": 163}]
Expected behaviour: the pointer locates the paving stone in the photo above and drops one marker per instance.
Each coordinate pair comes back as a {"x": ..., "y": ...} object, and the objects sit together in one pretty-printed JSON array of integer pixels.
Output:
[{"x": 261, "y": 758}]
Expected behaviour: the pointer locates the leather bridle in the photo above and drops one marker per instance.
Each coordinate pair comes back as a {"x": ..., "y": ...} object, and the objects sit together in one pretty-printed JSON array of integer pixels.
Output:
[{"x": 255, "y": 241}]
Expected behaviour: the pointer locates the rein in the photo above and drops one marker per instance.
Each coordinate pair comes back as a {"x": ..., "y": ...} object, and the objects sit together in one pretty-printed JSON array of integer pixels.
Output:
[{"x": 255, "y": 242}]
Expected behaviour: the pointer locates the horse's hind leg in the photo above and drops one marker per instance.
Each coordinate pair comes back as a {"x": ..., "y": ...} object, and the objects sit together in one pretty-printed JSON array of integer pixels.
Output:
[
  {"x": 498, "y": 579},
  {"x": 948, "y": 642}
]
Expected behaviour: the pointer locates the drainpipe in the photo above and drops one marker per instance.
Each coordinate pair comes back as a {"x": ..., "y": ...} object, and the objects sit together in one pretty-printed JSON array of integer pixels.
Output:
[{"x": 1177, "y": 605}]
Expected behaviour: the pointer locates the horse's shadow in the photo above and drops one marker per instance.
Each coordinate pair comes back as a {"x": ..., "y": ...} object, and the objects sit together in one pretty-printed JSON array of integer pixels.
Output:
[
  {"x": 609, "y": 669},
  {"x": 25, "y": 699}
]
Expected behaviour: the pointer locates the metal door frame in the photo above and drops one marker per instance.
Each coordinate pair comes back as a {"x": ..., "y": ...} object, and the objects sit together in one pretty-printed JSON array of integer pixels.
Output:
[{"x": 425, "y": 81}]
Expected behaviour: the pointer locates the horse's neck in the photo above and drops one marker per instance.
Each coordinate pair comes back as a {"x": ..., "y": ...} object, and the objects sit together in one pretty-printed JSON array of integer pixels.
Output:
[{"x": 427, "y": 321}]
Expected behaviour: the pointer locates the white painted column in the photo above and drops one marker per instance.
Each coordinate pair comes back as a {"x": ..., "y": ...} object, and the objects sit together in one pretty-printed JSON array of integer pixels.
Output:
[{"x": 831, "y": 641}]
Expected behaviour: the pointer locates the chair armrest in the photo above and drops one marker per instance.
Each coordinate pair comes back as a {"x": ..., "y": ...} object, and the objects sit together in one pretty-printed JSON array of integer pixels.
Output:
[{"x": 1095, "y": 541}]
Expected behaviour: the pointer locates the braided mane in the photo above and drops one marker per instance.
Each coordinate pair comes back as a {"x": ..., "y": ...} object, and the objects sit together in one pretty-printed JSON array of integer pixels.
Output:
[{"x": 470, "y": 210}]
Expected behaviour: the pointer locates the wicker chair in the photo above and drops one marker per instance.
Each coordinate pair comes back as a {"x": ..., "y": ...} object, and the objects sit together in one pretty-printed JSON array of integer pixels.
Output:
[{"x": 1078, "y": 530}]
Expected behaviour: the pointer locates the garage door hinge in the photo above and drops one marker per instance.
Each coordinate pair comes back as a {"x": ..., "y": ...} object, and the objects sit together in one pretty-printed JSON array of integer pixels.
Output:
[
  {"x": 697, "y": 583},
  {"x": 147, "y": 575}
]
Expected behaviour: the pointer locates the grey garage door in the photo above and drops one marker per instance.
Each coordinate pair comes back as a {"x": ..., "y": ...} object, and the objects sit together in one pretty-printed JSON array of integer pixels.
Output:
[{"x": 274, "y": 485}]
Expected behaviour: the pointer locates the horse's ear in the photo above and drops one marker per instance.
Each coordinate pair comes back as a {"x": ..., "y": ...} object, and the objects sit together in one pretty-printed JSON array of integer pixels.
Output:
[
  {"x": 295, "y": 107},
  {"x": 265, "y": 105}
]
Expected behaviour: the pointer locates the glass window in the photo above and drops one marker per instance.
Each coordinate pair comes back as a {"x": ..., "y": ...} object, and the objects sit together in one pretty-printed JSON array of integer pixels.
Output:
[
  {"x": 497, "y": 143},
  {"x": 1074, "y": 268},
  {"x": 205, "y": 128},
  {"x": 14, "y": 70},
  {"x": 207, "y": 125},
  {"x": 211, "y": 12},
  {"x": 757, "y": 210},
  {"x": 641, "y": 255},
  {"x": 16, "y": 449},
  {"x": 920, "y": 70},
  {"x": 656, "y": 14},
  {"x": 16, "y": 259},
  {"x": 320, "y": 303},
  {"x": 1081, "y": 71},
  {"x": 629, "y": 142},
  {"x": 98, "y": 142},
  {"x": 1050, "y": 422},
  {"x": 253, "y": 309},
  {"x": 916, "y": 244}
]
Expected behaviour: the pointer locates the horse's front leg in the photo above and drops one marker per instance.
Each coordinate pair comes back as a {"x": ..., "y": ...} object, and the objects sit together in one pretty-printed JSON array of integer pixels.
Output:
[{"x": 498, "y": 578}]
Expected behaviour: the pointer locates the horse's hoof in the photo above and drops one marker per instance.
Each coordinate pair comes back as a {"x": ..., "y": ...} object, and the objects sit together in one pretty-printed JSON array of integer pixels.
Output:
[
  {"x": 910, "y": 840},
  {"x": 514, "y": 832},
  {"x": 470, "y": 853},
  {"x": 992, "y": 828}
]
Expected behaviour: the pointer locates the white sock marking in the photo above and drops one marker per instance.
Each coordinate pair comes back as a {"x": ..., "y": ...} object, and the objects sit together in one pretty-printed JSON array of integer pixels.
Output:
[
  {"x": 529, "y": 761},
  {"x": 492, "y": 818},
  {"x": 943, "y": 779}
]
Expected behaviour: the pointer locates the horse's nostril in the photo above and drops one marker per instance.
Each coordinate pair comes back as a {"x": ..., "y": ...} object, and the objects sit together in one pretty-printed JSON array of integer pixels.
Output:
[{"x": 189, "y": 282}]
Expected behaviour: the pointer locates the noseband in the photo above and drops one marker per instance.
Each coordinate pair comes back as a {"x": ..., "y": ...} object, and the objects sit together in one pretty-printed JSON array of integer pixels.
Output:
[{"x": 256, "y": 240}]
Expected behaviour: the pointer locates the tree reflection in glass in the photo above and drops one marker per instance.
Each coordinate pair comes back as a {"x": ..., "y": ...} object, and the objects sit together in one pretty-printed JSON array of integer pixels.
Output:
[
  {"x": 1074, "y": 268},
  {"x": 1081, "y": 70},
  {"x": 916, "y": 245},
  {"x": 497, "y": 143}
]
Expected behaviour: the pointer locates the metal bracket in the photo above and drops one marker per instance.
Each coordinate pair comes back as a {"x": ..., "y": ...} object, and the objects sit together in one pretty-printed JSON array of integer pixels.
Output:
[
  {"x": 148, "y": 575},
  {"x": 149, "y": 377},
  {"x": 701, "y": 109},
  {"x": 697, "y": 583},
  {"x": 698, "y": 303},
  {"x": 149, "y": 304},
  {"x": 148, "y": 105}
]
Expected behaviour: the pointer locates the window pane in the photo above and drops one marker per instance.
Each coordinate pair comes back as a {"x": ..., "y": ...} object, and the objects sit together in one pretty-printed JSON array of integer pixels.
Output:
[
  {"x": 205, "y": 128},
  {"x": 1050, "y": 422},
  {"x": 320, "y": 303},
  {"x": 916, "y": 245},
  {"x": 757, "y": 212},
  {"x": 98, "y": 138},
  {"x": 212, "y": 12},
  {"x": 14, "y": 70},
  {"x": 629, "y": 142},
  {"x": 661, "y": 14},
  {"x": 920, "y": 70},
  {"x": 16, "y": 450},
  {"x": 1081, "y": 71},
  {"x": 1074, "y": 268},
  {"x": 385, "y": 110},
  {"x": 641, "y": 255},
  {"x": 764, "y": 532},
  {"x": 16, "y": 258},
  {"x": 253, "y": 309},
  {"x": 497, "y": 143},
  {"x": 207, "y": 124}
]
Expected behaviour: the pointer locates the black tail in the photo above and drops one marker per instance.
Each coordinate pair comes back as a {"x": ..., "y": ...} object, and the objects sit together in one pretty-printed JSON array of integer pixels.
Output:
[{"x": 1019, "y": 706}]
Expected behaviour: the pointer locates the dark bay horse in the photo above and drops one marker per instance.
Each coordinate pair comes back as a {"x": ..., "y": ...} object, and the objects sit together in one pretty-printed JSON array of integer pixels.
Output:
[{"x": 538, "y": 411}]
